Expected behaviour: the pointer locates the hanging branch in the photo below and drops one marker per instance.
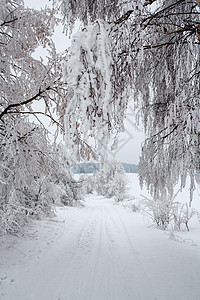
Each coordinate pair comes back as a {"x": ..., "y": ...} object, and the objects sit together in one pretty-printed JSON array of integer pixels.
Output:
[{"x": 13, "y": 105}]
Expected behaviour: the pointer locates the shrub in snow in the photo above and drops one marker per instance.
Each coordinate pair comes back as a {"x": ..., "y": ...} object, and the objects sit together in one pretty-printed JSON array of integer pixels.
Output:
[
  {"x": 29, "y": 171},
  {"x": 168, "y": 214},
  {"x": 88, "y": 183},
  {"x": 159, "y": 213},
  {"x": 132, "y": 203},
  {"x": 135, "y": 207},
  {"x": 182, "y": 214},
  {"x": 12, "y": 215},
  {"x": 111, "y": 180},
  {"x": 70, "y": 190}
]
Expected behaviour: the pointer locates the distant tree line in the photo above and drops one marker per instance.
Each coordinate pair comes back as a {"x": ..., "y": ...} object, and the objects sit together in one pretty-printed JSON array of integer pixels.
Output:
[{"x": 94, "y": 168}]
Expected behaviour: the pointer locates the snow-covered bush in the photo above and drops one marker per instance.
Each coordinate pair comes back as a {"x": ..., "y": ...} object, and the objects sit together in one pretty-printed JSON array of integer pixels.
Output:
[
  {"x": 168, "y": 214},
  {"x": 71, "y": 190},
  {"x": 88, "y": 183},
  {"x": 12, "y": 215},
  {"x": 159, "y": 211},
  {"x": 30, "y": 167},
  {"x": 182, "y": 214},
  {"x": 111, "y": 180},
  {"x": 133, "y": 203}
]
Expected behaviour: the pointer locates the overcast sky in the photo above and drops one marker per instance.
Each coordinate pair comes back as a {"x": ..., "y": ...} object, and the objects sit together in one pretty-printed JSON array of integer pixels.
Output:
[{"x": 129, "y": 142}]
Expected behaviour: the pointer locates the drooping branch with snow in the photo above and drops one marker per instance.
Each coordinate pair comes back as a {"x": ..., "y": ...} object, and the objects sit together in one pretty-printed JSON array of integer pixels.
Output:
[{"x": 152, "y": 54}]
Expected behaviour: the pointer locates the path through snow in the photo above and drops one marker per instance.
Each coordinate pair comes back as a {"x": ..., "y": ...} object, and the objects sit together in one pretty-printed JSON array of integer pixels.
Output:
[{"x": 99, "y": 252}]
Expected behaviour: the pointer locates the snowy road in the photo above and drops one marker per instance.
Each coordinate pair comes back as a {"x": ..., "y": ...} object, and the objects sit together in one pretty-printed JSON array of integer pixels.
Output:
[{"x": 99, "y": 252}]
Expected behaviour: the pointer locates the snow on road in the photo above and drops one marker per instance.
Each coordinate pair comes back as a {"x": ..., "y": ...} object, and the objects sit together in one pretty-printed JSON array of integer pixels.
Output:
[{"x": 98, "y": 252}]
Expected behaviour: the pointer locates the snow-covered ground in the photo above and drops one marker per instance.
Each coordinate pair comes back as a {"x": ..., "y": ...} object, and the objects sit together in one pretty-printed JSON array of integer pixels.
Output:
[{"x": 102, "y": 251}]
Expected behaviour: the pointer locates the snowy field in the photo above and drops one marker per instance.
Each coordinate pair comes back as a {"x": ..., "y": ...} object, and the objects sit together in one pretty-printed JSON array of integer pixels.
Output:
[{"x": 102, "y": 251}]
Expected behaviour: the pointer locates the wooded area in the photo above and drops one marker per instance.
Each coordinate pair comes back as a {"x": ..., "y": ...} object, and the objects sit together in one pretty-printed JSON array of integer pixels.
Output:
[{"x": 145, "y": 50}]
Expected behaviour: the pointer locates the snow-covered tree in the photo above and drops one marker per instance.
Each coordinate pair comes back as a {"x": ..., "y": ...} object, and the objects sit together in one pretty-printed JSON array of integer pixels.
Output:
[
  {"x": 148, "y": 50},
  {"x": 29, "y": 166},
  {"x": 111, "y": 180},
  {"x": 171, "y": 97},
  {"x": 35, "y": 175},
  {"x": 24, "y": 163},
  {"x": 24, "y": 79}
]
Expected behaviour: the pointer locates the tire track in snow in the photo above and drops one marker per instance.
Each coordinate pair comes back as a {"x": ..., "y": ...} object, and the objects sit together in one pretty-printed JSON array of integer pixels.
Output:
[
  {"x": 94, "y": 258},
  {"x": 125, "y": 248},
  {"x": 90, "y": 258},
  {"x": 111, "y": 265},
  {"x": 101, "y": 267}
]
